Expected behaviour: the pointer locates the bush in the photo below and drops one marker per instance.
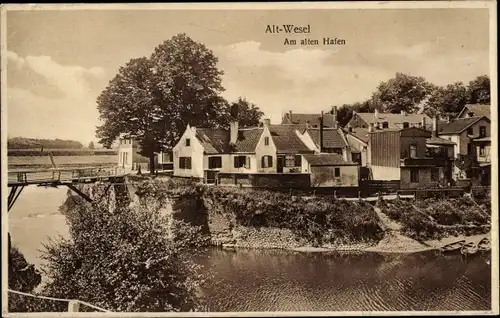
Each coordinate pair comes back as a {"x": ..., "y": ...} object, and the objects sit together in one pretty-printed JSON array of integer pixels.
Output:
[
  {"x": 124, "y": 258},
  {"x": 435, "y": 218},
  {"x": 309, "y": 219}
]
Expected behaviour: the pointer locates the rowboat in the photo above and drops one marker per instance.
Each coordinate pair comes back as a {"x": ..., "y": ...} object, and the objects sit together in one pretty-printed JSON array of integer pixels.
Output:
[
  {"x": 452, "y": 248},
  {"x": 469, "y": 249},
  {"x": 484, "y": 245}
]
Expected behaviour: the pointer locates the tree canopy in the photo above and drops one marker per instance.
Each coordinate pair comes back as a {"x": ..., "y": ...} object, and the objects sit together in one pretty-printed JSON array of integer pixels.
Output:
[
  {"x": 30, "y": 143},
  {"x": 402, "y": 93},
  {"x": 247, "y": 114},
  {"x": 449, "y": 99},
  {"x": 414, "y": 94},
  {"x": 479, "y": 90}
]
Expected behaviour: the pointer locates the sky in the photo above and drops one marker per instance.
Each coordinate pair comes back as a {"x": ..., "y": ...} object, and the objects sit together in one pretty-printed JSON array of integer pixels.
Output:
[{"x": 60, "y": 61}]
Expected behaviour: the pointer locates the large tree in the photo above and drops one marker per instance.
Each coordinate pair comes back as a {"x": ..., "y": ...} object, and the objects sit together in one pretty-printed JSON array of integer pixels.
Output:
[
  {"x": 153, "y": 99},
  {"x": 187, "y": 87},
  {"x": 479, "y": 90},
  {"x": 449, "y": 99},
  {"x": 402, "y": 93}
]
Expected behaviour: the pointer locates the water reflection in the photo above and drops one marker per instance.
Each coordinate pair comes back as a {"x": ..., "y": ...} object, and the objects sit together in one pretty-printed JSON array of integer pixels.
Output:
[{"x": 271, "y": 280}]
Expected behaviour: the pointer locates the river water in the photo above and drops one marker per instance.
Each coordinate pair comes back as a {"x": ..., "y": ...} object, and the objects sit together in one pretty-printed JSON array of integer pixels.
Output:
[{"x": 273, "y": 280}]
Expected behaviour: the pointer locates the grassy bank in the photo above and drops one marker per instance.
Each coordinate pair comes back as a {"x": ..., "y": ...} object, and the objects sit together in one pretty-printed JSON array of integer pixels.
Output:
[{"x": 433, "y": 219}]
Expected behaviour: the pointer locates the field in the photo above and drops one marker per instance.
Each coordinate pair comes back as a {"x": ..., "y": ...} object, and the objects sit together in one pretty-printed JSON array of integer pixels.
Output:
[{"x": 36, "y": 152}]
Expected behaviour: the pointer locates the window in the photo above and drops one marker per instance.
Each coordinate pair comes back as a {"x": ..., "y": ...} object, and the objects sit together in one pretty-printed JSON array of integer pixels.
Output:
[
  {"x": 385, "y": 124},
  {"x": 289, "y": 161},
  {"x": 185, "y": 163},
  {"x": 356, "y": 157},
  {"x": 413, "y": 151},
  {"x": 298, "y": 160},
  {"x": 336, "y": 172},
  {"x": 414, "y": 175},
  {"x": 435, "y": 174},
  {"x": 267, "y": 162},
  {"x": 482, "y": 151},
  {"x": 482, "y": 131},
  {"x": 214, "y": 162},
  {"x": 188, "y": 142},
  {"x": 242, "y": 162},
  {"x": 167, "y": 157},
  {"x": 406, "y": 124},
  {"x": 470, "y": 131},
  {"x": 266, "y": 141},
  {"x": 470, "y": 149}
]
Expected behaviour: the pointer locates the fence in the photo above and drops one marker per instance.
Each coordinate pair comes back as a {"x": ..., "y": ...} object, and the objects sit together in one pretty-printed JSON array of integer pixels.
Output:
[
  {"x": 270, "y": 180},
  {"x": 73, "y": 304}
]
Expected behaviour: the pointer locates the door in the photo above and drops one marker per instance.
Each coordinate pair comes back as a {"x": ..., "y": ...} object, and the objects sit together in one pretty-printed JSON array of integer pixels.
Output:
[{"x": 280, "y": 164}]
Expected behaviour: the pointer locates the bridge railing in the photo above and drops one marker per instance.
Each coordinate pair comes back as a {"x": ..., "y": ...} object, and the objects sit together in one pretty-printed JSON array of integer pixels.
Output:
[{"x": 65, "y": 174}]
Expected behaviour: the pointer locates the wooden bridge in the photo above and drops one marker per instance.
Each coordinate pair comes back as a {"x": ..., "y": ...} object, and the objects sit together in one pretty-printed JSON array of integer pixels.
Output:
[{"x": 55, "y": 177}]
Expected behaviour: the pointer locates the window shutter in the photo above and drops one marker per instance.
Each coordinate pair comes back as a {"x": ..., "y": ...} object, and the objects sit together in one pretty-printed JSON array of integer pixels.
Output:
[
  {"x": 236, "y": 161},
  {"x": 298, "y": 160},
  {"x": 263, "y": 162},
  {"x": 247, "y": 162},
  {"x": 270, "y": 161}
]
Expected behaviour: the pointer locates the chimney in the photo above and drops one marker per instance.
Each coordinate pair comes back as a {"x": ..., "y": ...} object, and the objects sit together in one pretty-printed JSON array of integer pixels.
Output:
[
  {"x": 233, "y": 131},
  {"x": 376, "y": 113},
  {"x": 403, "y": 113},
  {"x": 267, "y": 122},
  {"x": 290, "y": 116},
  {"x": 334, "y": 113},
  {"x": 370, "y": 128},
  {"x": 448, "y": 118},
  {"x": 434, "y": 126},
  {"x": 307, "y": 124},
  {"x": 321, "y": 132}
]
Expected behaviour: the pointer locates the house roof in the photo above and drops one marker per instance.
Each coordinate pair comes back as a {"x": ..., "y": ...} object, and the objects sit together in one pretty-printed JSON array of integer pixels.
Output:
[
  {"x": 360, "y": 133},
  {"x": 248, "y": 139},
  {"x": 214, "y": 141},
  {"x": 331, "y": 137},
  {"x": 458, "y": 125},
  {"x": 286, "y": 140},
  {"x": 311, "y": 119},
  {"x": 395, "y": 121},
  {"x": 477, "y": 110},
  {"x": 327, "y": 159},
  {"x": 439, "y": 141}
]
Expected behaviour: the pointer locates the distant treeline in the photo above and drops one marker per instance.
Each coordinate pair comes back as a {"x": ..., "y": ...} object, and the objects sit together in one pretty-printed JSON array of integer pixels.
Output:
[
  {"x": 61, "y": 152},
  {"x": 32, "y": 143}
]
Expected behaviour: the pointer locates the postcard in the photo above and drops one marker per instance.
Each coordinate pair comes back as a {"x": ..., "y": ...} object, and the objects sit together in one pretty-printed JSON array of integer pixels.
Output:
[{"x": 249, "y": 159}]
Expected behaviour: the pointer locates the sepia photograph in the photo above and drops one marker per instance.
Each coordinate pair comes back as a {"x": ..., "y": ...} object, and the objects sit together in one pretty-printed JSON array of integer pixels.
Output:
[{"x": 249, "y": 159}]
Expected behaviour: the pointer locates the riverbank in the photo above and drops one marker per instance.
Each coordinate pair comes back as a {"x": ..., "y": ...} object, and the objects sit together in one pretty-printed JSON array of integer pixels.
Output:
[
  {"x": 242, "y": 218},
  {"x": 396, "y": 244}
]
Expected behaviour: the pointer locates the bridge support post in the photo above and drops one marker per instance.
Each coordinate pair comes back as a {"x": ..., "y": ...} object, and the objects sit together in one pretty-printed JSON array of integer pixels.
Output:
[
  {"x": 80, "y": 193},
  {"x": 14, "y": 194}
]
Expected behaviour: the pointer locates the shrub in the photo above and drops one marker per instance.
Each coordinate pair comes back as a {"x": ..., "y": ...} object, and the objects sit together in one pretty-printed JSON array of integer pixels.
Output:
[{"x": 125, "y": 258}]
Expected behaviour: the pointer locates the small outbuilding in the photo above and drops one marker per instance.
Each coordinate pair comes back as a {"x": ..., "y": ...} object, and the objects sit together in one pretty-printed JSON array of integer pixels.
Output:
[{"x": 331, "y": 170}]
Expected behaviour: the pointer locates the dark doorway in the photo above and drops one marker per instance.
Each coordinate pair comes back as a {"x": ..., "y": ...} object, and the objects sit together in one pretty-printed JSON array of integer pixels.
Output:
[{"x": 280, "y": 164}]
